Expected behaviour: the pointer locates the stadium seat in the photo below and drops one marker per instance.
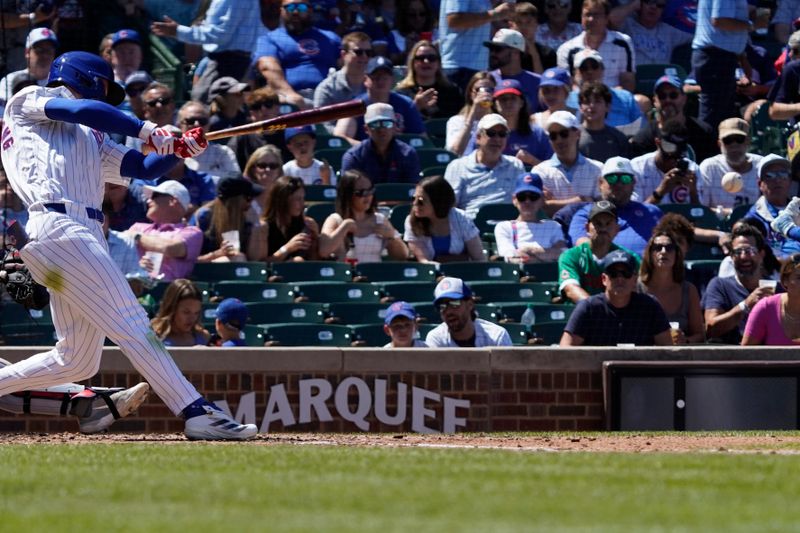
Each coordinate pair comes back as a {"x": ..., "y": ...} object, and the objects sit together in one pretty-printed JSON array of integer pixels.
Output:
[
  {"x": 700, "y": 250},
  {"x": 214, "y": 272},
  {"x": 296, "y": 271},
  {"x": 329, "y": 292},
  {"x": 325, "y": 142},
  {"x": 254, "y": 335},
  {"x": 489, "y": 215},
  {"x": 394, "y": 192},
  {"x": 410, "y": 291},
  {"x": 437, "y": 130},
  {"x": 481, "y": 271},
  {"x": 539, "y": 272},
  {"x": 490, "y": 312},
  {"x": 491, "y": 291},
  {"x": 416, "y": 141},
  {"x": 548, "y": 332},
  {"x": 424, "y": 329},
  {"x": 397, "y": 216},
  {"x": 319, "y": 212},
  {"x": 437, "y": 170},
  {"x": 14, "y": 314},
  {"x": 738, "y": 213},
  {"x": 646, "y": 75},
  {"x": 357, "y": 313},
  {"x": 701, "y": 272},
  {"x": 519, "y": 333},
  {"x": 428, "y": 314},
  {"x": 273, "y": 313},
  {"x": 254, "y": 291},
  {"x": 333, "y": 156},
  {"x": 699, "y": 215},
  {"x": 369, "y": 335},
  {"x": 29, "y": 335},
  {"x": 396, "y": 271},
  {"x": 429, "y": 157},
  {"x": 544, "y": 312},
  {"x": 320, "y": 193},
  {"x": 316, "y": 335}
]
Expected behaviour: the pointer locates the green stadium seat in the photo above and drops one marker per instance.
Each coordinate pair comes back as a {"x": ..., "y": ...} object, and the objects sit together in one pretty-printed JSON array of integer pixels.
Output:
[
  {"x": 254, "y": 335},
  {"x": 369, "y": 335},
  {"x": 13, "y": 314},
  {"x": 254, "y": 291},
  {"x": 416, "y": 141},
  {"x": 357, "y": 313},
  {"x": 332, "y": 155},
  {"x": 429, "y": 157},
  {"x": 397, "y": 216},
  {"x": 273, "y": 313},
  {"x": 701, "y": 272},
  {"x": 394, "y": 192},
  {"x": 481, "y": 271},
  {"x": 317, "y": 335},
  {"x": 539, "y": 272},
  {"x": 437, "y": 130},
  {"x": 519, "y": 333},
  {"x": 214, "y": 272},
  {"x": 701, "y": 250},
  {"x": 319, "y": 212},
  {"x": 699, "y": 215},
  {"x": 428, "y": 314},
  {"x": 409, "y": 291},
  {"x": 157, "y": 292},
  {"x": 490, "y": 312},
  {"x": 437, "y": 170},
  {"x": 738, "y": 213},
  {"x": 491, "y": 291},
  {"x": 320, "y": 193},
  {"x": 325, "y": 142},
  {"x": 548, "y": 332},
  {"x": 396, "y": 271},
  {"x": 544, "y": 312},
  {"x": 424, "y": 329},
  {"x": 297, "y": 271},
  {"x": 29, "y": 335},
  {"x": 489, "y": 215},
  {"x": 329, "y": 292}
]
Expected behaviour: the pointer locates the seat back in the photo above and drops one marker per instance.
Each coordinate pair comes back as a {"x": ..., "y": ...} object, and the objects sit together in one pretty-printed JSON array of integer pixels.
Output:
[
  {"x": 300, "y": 313},
  {"x": 397, "y": 216},
  {"x": 318, "y": 335},
  {"x": 214, "y": 272},
  {"x": 295, "y": 271},
  {"x": 357, "y": 313},
  {"x": 481, "y": 271},
  {"x": 489, "y": 215},
  {"x": 490, "y": 291},
  {"x": 320, "y": 193},
  {"x": 396, "y": 271},
  {"x": 255, "y": 291},
  {"x": 329, "y": 292}
]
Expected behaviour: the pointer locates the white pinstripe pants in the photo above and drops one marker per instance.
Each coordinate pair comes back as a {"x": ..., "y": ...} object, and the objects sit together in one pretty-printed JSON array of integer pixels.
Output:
[{"x": 90, "y": 300}]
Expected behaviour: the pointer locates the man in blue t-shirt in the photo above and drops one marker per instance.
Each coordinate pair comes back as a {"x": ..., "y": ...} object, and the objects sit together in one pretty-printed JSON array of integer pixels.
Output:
[
  {"x": 505, "y": 60},
  {"x": 296, "y": 57}
]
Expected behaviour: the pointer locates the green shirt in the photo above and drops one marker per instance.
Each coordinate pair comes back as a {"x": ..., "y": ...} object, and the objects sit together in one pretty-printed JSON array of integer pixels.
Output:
[{"x": 578, "y": 265}]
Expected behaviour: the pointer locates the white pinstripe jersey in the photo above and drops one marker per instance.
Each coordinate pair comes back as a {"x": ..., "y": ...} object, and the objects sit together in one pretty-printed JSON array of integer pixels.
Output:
[{"x": 54, "y": 161}]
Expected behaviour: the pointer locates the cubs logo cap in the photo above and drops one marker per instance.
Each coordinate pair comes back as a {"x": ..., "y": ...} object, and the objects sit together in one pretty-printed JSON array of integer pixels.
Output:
[
  {"x": 451, "y": 289},
  {"x": 400, "y": 309},
  {"x": 125, "y": 35},
  {"x": 38, "y": 35},
  {"x": 507, "y": 87},
  {"x": 669, "y": 79},
  {"x": 557, "y": 77},
  {"x": 378, "y": 63},
  {"x": 170, "y": 188},
  {"x": 232, "y": 312},
  {"x": 506, "y": 38},
  {"x": 291, "y": 133},
  {"x": 529, "y": 182}
]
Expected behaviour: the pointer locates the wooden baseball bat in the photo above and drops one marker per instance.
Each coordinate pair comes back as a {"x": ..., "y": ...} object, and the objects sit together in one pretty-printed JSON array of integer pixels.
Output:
[{"x": 326, "y": 113}]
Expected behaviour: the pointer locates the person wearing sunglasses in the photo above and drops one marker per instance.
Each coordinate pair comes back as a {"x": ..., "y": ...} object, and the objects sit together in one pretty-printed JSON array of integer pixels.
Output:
[
  {"x": 776, "y": 208},
  {"x": 734, "y": 142},
  {"x": 159, "y": 107},
  {"x": 264, "y": 167},
  {"x": 486, "y": 176},
  {"x": 460, "y": 325},
  {"x": 218, "y": 160},
  {"x": 620, "y": 314},
  {"x": 568, "y": 176},
  {"x": 296, "y": 57},
  {"x": 382, "y": 156},
  {"x": 228, "y": 33},
  {"x": 526, "y": 142},
  {"x": 262, "y": 104},
  {"x": 636, "y": 219},
  {"x": 558, "y": 29},
  {"x": 357, "y": 232},
  {"x": 290, "y": 234},
  {"x": 599, "y": 141},
  {"x": 135, "y": 85},
  {"x": 667, "y": 175},
  {"x": 347, "y": 82},
  {"x": 662, "y": 276},
  {"x": 426, "y": 84},
  {"x": 527, "y": 239},
  {"x": 775, "y": 320},
  {"x": 436, "y": 230},
  {"x": 728, "y": 301}
]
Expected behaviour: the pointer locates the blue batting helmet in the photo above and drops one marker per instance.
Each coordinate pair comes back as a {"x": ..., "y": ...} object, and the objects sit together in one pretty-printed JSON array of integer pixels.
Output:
[{"x": 85, "y": 73}]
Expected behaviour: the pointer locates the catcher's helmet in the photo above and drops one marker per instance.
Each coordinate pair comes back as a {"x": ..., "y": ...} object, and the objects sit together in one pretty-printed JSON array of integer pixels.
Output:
[{"x": 85, "y": 73}]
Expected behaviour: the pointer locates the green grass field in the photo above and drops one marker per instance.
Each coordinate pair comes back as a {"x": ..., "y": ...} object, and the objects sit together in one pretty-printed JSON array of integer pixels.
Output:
[{"x": 192, "y": 487}]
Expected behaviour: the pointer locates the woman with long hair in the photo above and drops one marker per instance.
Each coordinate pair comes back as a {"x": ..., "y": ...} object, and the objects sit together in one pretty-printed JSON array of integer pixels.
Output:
[
  {"x": 177, "y": 322},
  {"x": 228, "y": 212},
  {"x": 356, "y": 231},
  {"x": 527, "y": 143},
  {"x": 661, "y": 275},
  {"x": 290, "y": 235},
  {"x": 775, "y": 320},
  {"x": 414, "y": 21},
  {"x": 438, "y": 231},
  {"x": 461, "y": 128},
  {"x": 425, "y": 83},
  {"x": 553, "y": 92},
  {"x": 264, "y": 166}
]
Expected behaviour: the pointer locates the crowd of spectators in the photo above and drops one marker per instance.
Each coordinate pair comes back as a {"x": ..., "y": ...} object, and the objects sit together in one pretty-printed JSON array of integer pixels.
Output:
[{"x": 546, "y": 105}]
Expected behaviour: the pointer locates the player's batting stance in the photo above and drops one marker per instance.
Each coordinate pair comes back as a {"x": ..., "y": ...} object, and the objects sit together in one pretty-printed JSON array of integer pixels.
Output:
[{"x": 58, "y": 157}]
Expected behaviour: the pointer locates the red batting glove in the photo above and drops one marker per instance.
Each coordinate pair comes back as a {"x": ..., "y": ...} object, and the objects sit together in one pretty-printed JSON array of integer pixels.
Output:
[
  {"x": 192, "y": 144},
  {"x": 161, "y": 141}
]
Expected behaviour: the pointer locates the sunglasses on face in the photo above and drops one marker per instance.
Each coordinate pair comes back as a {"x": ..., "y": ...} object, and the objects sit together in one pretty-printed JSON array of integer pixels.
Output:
[
  {"x": 296, "y": 8},
  {"x": 778, "y": 175},
  {"x": 624, "y": 179},
  {"x": 664, "y": 247},
  {"x": 361, "y": 52},
  {"x": 619, "y": 273},
  {"x": 200, "y": 121},
  {"x": 379, "y": 124},
  {"x": 730, "y": 139},
  {"x": 164, "y": 100},
  {"x": 554, "y": 135},
  {"x": 744, "y": 250},
  {"x": 258, "y": 105},
  {"x": 265, "y": 166},
  {"x": 496, "y": 133},
  {"x": 428, "y": 58},
  {"x": 452, "y": 304},
  {"x": 362, "y": 193},
  {"x": 672, "y": 95},
  {"x": 589, "y": 65},
  {"x": 528, "y": 197}
]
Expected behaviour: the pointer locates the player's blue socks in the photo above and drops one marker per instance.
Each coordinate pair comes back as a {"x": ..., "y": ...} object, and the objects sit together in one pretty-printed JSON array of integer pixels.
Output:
[{"x": 197, "y": 408}]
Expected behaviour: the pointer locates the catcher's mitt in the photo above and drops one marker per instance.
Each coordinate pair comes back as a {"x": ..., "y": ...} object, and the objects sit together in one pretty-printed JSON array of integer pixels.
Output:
[{"x": 17, "y": 280}]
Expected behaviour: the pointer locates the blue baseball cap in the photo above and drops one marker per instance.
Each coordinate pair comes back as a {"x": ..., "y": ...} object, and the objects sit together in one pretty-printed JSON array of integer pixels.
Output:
[
  {"x": 400, "y": 309},
  {"x": 291, "y": 133},
  {"x": 377, "y": 63},
  {"x": 670, "y": 79},
  {"x": 530, "y": 182},
  {"x": 451, "y": 288},
  {"x": 556, "y": 76},
  {"x": 232, "y": 312},
  {"x": 618, "y": 257},
  {"x": 125, "y": 35},
  {"x": 507, "y": 87}
]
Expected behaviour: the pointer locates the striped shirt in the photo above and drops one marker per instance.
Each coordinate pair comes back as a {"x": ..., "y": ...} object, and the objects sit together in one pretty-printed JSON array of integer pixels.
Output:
[
  {"x": 546, "y": 36},
  {"x": 712, "y": 194},
  {"x": 616, "y": 50},
  {"x": 511, "y": 235},
  {"x": 486, "y": 334},
  {"x": 462, "y": 229},
  {"x": 565, "y": 182},
  {"x": 476, "y": 184}
]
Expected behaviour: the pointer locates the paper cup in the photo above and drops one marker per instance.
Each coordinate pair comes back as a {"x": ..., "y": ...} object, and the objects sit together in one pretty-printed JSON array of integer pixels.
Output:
[
  {"x": 156, "y": 258},
  {"x": 232, "y": 237},
  {"x": 771, "y": 283}
]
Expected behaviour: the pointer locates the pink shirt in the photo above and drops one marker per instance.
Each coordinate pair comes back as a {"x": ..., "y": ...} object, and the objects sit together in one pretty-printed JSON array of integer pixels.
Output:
[
  {"x": 173, "y": 267},
  {"x": 764, "y": 323}
]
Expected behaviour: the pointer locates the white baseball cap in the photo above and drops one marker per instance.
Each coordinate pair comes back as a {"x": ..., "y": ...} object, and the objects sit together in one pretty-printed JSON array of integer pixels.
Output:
[
  {"x": 618, "y": 165},
  {"x": 452, "y": 289},
  {"x": 586, "y": 54},
  {"x": 490, "y": 121},
  {"x": 507, "y": 38},
  {"x": 769, "y": 160},
  {"x": 171, "y": 188},
  {"x": 378, "y": 112},
  {"x": 38, "y": 35},
  {"x": 563, "y": 118}
]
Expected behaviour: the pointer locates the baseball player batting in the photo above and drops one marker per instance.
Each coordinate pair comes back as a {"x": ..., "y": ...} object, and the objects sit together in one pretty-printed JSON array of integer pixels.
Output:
[{"x": 58, "y": 156}]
